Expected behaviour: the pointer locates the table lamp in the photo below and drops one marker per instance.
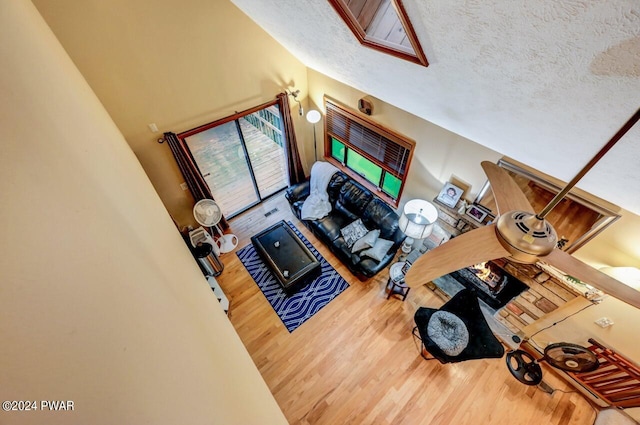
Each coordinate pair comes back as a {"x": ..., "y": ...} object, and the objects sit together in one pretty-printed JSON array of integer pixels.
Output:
[{"x": 417, "y": 220}]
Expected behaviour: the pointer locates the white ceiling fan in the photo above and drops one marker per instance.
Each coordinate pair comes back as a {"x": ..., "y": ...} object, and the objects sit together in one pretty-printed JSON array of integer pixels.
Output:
[{"x": 520, "y": 234}]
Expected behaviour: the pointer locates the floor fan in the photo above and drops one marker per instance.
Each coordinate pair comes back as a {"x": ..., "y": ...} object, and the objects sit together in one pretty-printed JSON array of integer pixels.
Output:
[
  {"x": 208, "y": 214},
  {"x": 562, "y": 355}
]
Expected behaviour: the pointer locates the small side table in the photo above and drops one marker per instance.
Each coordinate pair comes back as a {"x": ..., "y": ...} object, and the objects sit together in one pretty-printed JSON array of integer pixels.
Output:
[{"x": 396, "y": 283}]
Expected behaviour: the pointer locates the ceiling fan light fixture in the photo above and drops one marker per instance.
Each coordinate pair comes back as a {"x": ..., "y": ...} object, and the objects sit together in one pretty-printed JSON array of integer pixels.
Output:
[{"x": 525, "y": 236}]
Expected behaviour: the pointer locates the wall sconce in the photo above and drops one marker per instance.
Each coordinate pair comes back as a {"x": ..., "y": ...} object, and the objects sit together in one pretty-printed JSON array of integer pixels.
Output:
[
  {"x": 313, "y": 117},
  {"x": 295, "y": 94}
]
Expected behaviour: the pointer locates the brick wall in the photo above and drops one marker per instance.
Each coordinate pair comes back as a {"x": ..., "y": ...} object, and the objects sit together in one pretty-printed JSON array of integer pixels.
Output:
[{"x": 545, "y": 294}]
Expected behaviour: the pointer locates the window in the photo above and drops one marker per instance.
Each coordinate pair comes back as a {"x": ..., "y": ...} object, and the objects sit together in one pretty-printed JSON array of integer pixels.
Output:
[
  {"x": 382, "y": 25},
  {"x": 374, "y": 155},
  {"x": 241, "y": 157}
]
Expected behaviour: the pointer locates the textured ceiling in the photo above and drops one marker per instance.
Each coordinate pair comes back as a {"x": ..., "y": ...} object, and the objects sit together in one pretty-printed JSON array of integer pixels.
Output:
[{"x": 545, "y": 82}]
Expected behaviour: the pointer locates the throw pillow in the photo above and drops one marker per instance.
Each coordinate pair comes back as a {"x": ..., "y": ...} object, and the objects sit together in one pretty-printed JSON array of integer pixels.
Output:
[
  {"x": 352, "y": 232},
  {"x": 379, "y": 250},
  {"x": 367, "y": 241},
  {"x": 448, "y": 332}
]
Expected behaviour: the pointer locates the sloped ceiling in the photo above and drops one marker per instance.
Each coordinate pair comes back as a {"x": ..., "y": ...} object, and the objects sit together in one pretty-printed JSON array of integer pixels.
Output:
[{"x": 546, "y": 82}]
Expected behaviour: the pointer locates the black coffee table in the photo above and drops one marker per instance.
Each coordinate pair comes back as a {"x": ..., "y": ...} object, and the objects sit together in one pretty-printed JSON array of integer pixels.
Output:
[{"x": 291, "y": 262}]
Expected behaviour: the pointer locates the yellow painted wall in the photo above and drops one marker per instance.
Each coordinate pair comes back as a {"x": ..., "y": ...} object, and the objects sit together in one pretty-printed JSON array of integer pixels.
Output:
[
  {"x": 440, "y": 155},
  {"x": 579, "y": 325},
  {"x": 181, "y": 64},
  {"x": 178, "y": 64},
  {"x": 575, "y": 323},
  {"x": 101, "y": 302},
  {"x": 617, "y": 246}
]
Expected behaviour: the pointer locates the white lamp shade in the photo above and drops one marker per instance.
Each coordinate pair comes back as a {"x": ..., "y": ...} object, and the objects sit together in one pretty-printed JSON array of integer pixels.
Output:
[
  {"x": 417, "y": 219},
  {"x": 313, "y": 116}
]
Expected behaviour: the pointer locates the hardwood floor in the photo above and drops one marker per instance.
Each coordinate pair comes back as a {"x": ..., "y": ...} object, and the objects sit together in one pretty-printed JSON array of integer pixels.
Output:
[{"x": 355, "y": 361}]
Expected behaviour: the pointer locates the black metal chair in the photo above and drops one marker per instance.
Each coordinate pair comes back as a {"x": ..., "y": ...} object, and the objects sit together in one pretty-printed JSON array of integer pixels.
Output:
[{"x": 480, "y": 341}]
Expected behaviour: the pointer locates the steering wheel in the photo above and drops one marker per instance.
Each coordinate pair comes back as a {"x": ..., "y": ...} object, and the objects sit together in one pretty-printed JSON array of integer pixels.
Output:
[{"x": 524, "y": 367}]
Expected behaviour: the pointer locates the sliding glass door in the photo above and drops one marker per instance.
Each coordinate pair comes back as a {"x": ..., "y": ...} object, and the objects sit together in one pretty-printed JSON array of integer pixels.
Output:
[{"x": 241, "y": 157}]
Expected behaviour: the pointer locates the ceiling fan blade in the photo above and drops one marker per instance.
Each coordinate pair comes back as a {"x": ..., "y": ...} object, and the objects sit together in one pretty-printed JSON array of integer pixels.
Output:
[
  {"x": 465, "y": 250},
  {"x": 508, "y": 195},
  {"x": 576, "y": 268}
]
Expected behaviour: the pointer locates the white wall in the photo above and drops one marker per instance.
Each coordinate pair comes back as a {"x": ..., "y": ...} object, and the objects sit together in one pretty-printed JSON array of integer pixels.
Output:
[{"x": 101, "y": 302}]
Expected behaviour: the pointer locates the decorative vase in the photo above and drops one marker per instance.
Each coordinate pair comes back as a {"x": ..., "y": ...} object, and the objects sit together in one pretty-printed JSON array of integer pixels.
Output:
[{"x": 463, "y": 207}]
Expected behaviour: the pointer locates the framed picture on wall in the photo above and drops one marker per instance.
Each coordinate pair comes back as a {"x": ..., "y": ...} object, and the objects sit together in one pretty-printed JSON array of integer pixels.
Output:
[
  {"x": 476, "y": 213},
  {"x": 406, "y": 266},
  {"x": 449, "y": 195}
]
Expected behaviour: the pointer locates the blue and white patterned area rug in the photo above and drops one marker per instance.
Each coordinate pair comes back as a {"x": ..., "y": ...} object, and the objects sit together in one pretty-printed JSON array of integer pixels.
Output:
[{"x": 294, "y": 310}]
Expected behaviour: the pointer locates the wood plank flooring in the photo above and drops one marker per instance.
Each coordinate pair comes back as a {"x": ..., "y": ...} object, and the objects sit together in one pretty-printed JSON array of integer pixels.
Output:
[{"x": 355, "y": 361}]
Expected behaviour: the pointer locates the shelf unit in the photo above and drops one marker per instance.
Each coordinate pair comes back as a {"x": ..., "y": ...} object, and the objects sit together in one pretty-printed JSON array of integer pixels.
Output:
[
  {"x": 217, "y": 291},
  {"x": 452, "y": 222}
]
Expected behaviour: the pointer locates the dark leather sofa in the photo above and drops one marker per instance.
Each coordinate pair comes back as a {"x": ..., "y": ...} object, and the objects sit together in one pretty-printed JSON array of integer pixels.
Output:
[{"x": 350, "y": 201}]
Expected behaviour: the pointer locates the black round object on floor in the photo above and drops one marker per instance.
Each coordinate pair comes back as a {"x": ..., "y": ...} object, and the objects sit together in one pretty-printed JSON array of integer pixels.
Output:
[
  {"x": 202, "y": 249},
  {"x": 571, "y": 357},
  {"x": 524, "y": 367}
]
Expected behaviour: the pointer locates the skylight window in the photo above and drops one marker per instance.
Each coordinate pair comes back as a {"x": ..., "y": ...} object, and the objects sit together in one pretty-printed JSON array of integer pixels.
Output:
[{"x": 382, "y": 25}]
